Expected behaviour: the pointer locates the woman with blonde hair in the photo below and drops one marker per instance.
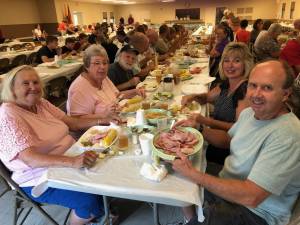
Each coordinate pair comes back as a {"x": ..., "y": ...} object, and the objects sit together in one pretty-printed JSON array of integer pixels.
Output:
[
  {"x": 228, "y": 98},
  {"x": 36, "y": 137}
]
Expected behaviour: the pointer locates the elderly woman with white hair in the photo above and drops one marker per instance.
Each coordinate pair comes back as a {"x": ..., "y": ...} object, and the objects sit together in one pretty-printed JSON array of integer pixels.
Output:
[
  {"x": 36, "y": 137},
  {"x": 92, "y": 94}
]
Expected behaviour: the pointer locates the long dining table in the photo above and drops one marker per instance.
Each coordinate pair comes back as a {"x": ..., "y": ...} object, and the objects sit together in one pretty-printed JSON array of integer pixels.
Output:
[
  {"x": 47, "y": 73},
  {"x": 119, "y": 176}
]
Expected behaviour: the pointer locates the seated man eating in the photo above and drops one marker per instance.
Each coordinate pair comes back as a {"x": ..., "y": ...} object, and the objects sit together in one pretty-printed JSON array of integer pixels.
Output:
[{"x": 120, "y": 72}]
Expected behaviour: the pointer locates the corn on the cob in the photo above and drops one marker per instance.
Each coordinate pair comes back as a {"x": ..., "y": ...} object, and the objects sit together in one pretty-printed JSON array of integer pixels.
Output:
[
  {"x": 110, "y": 137},
  {"x": 134, "y": 100}
]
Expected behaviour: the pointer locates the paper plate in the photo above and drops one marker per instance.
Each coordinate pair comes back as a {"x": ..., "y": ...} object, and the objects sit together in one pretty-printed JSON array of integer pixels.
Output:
[
  {"x": 188, "y": 89},
  {"x": 92, "y": 131}
]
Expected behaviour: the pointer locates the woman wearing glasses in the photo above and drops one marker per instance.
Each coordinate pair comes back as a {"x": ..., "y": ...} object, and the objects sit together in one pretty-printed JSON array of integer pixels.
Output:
[{"x": 92, "y": 94}]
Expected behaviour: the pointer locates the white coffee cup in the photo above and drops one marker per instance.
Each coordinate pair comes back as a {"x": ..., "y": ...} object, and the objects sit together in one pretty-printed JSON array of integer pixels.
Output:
[{"x": 146, "y": 143}]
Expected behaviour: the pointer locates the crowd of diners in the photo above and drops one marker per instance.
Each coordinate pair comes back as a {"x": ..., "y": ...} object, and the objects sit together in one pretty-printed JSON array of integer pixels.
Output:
[{"x": 253, "y": 133}]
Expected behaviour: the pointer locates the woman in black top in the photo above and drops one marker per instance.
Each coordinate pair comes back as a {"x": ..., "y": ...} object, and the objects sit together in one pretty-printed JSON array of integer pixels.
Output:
[{"x": 228, "y": 98}]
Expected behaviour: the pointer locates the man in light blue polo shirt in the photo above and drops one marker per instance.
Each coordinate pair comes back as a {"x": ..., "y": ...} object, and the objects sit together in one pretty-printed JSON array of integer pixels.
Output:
[{"x": 260, "y": 180}]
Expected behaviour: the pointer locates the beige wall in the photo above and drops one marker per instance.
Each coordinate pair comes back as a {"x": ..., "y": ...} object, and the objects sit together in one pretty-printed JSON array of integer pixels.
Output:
[
  {"x": 287, "y": 9},
  {"x": 47, "y": 11},
  {"x": 27, "y": 12},
  {"x": 166, "y": 11},
  {"x": 91, "y": 12},
  {"x": 18, "y": 12}
]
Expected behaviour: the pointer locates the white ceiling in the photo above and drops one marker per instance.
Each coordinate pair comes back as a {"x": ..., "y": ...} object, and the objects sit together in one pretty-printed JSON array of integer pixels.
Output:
[{"x": 120, "y": 2}]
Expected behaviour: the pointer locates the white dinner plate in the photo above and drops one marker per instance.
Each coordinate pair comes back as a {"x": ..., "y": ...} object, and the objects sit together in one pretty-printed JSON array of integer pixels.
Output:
[
  {"x": 149, "y": 85},
  {"x": 177, "y": 100},
  {"x": 193, "y": 88},
  {"x": 202, "y": 79}
]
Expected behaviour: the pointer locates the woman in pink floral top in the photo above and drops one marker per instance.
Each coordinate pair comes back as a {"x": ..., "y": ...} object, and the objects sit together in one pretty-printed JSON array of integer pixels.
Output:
[{"x": 36, "y": 137}]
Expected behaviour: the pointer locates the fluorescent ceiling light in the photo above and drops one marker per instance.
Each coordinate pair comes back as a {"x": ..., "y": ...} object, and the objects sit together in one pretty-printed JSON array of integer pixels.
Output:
[{"x": 168, "y": 1}]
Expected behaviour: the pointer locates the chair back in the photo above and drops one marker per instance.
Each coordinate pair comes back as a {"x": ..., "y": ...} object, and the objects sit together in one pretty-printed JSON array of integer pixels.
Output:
[
  {"x": 3, "y": 48},
  {"x": 18, "y": 61},
  {"x": 26, "y": 45},
  {"x": 31, "y": 59},
  {"x": 4, "y": 62},
  {"x": 56, "y": 86},
  {"x": 4, "y": 65},
  {"x": 16, "y": 47}
]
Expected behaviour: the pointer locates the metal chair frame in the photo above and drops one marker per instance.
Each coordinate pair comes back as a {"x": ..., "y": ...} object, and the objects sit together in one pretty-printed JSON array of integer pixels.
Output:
[{"x": 22, "y": 201}]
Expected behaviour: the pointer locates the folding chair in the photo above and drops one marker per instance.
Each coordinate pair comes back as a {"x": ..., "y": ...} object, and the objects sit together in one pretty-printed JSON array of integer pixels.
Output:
[
  {"x": 4, "y": 65},
  {"x": 18, "y": 61},
  {"x": 3, "y": 48},
  {"x": 55, "y": 91},
  {"x": 72, "y": 78},
  {"x": 31, "y": 59},
  {"x": 21, "y": 201},
  {"x": 16, "y": 47}
]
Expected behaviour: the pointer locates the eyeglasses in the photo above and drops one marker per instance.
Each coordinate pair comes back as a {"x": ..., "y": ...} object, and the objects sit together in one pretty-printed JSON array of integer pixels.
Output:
[{"x": 99, "y": 63}]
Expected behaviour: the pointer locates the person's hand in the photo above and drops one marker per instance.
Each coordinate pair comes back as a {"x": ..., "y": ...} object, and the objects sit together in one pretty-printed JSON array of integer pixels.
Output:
[
  {"x": 151, "y": 66},
  {"x": 73, "y": 52},
  {"x": 115, "y": 119},
  {"x": 187, "y": 99},
  {"x": 111, "y": 108},
  {"x": 183, "y": 165},
  {"x": 201, "y": 120},
  {"x": 190, "y": 122},
  {"x": 86, "y": 159},
  {"x": 58, "y": 51},
  {"x": 141, "y": 92},
  {"x": 134, "y": 81}
]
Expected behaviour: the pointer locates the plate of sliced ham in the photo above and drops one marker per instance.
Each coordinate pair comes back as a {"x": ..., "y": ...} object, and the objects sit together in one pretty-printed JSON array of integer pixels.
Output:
[{"x": 168, "y": 143}]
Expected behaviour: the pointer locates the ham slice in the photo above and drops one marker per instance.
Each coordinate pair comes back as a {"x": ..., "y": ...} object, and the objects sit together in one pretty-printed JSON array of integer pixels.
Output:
[
  {"x": 97, "y": 137},
  {"x": 175, "y": 141}
]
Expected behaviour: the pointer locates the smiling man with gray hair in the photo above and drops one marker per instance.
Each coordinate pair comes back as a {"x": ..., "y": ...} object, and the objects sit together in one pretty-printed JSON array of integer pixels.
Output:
[{"x": 121, "y": 72}]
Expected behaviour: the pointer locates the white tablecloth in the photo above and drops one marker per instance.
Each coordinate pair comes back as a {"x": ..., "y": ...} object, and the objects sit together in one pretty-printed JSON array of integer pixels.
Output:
[
  {"x": 46, "y": 74},
  {"x": 15, "y": 42},
  {"x": 12, "y": 54},
  {"x": 118, "y": 176}
]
